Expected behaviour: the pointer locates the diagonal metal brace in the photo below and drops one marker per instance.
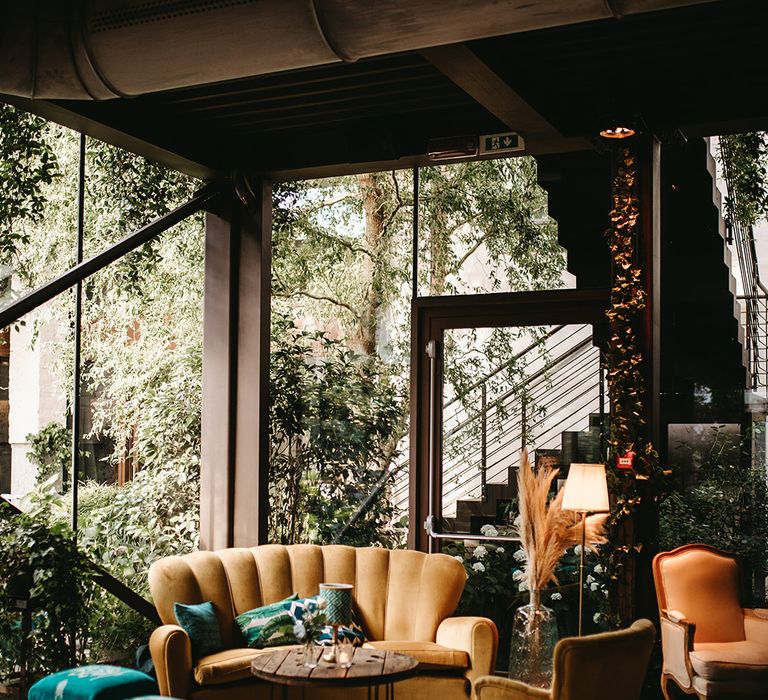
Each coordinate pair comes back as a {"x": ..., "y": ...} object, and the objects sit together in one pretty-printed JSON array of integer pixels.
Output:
[
  {"x": 108, "y": 582},
  {"x": 81, "y": 271}
]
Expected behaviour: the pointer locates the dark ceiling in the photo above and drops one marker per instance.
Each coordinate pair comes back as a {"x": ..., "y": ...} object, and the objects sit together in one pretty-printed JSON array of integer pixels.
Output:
[{"x": 699, "y": 68}]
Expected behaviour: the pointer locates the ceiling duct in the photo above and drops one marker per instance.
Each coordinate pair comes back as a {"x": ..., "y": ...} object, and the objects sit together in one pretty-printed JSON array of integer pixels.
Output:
[{"x": 100, "y": 49}]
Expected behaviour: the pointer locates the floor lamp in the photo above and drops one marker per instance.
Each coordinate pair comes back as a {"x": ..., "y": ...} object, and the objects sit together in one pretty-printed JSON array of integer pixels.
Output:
[{"x": 586, "y": 491}]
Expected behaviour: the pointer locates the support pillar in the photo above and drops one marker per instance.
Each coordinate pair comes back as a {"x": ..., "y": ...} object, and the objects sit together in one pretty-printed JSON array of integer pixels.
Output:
[
  {"x": 234, "y": 476},
  {"x": 649, "y": 338}
]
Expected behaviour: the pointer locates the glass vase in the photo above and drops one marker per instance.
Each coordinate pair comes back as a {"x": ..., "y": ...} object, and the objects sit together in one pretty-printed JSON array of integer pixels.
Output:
[
  {"x": 311, "y": 653},
  {"x": 534, "y": 635}
]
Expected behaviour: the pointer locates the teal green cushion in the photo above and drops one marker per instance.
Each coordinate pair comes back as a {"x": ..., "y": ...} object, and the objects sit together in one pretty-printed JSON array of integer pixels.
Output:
[
  {"x": 202, "y": 626},
  {"x": 99, "y": 682},
  {"x": 268, "y": 626}
]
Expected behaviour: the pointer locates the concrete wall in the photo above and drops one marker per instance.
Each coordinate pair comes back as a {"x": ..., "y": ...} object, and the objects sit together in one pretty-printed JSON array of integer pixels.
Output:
[{"x": 34, "y": 396}]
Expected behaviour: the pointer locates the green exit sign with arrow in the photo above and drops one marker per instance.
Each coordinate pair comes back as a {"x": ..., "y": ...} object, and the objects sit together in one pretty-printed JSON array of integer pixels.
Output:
[{"x": 508, "y": 142}]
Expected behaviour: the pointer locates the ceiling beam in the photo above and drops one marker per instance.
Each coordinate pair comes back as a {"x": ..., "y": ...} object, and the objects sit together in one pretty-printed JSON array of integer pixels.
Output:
[
  {"x": 461, "y": 65},
  {"x": 115, "y": 136}
]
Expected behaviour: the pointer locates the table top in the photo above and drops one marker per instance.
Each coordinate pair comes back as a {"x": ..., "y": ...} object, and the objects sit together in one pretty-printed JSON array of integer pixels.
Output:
[{"x": 369, "y": 667}]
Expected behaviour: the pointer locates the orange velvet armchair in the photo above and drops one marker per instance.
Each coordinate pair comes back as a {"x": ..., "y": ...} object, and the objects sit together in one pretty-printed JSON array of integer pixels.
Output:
[{"x": 713, "y": 647}]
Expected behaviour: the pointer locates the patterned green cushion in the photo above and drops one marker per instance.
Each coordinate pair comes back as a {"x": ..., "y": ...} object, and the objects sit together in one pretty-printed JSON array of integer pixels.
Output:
[
  {"x": 98, "y": 682},
  {"x": 202, "y": 626},
  {"x": 352, "y": 632},
  {"x": 268, "y": 626}
]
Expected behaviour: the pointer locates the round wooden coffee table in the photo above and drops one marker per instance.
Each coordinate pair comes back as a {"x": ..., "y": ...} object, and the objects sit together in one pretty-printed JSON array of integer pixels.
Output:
[{"x": 370, "y": 668}]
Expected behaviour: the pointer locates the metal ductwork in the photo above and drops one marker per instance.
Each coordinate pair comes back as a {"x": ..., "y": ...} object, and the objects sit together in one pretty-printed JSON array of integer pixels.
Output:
[{"x": 100, "y": 49}]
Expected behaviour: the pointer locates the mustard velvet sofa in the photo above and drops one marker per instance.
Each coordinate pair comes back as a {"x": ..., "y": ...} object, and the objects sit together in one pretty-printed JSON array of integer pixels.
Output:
[{"x": 403, "y": 600}]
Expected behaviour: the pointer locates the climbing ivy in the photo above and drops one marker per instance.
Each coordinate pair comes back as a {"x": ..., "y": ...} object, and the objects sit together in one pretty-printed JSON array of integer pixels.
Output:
[
  {"x": 744, "y": 158},
  {"x": 645, "y": 483}
]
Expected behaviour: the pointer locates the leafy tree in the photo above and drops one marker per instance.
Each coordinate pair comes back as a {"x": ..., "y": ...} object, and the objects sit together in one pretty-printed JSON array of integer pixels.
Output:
[
  {"x": 27, "y": 164},
  {"x": 332, "y": 420}
]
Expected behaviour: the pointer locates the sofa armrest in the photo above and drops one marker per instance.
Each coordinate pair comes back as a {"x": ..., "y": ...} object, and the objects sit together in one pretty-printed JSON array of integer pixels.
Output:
[
  {"x": 477, "y": 636},
  {"x": 676, "y": 644},
  {"x": 497, "y": 688},
  {"x": 756, "y": 625},
  {"x": 171, "y": 651}
]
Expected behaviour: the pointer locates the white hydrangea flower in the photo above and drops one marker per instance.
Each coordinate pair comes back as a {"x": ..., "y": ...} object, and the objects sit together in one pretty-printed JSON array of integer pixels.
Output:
[
  {"x": 594, "y": 586},
  {"x": 577, "y": 549},
  {"x": 590, "y": 578},
  {"x": 480, "y": 552},
  {"x": 519, "y": 555},
  {"x": 596, "y": 618},
  {"x": 518, "y": 575},
  {"x": 500, "y": 550},
  {"x": 478, "y": 566},
  {"x": 598, "y": 569},
  {"x": 557, "y": 596},
  {"x": 489, "y": 531},
  {"x": 459, "y": 558}
]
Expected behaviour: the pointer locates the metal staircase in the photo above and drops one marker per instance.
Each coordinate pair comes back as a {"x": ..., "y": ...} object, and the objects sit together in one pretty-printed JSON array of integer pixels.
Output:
[{"x": 554, "y": 403}]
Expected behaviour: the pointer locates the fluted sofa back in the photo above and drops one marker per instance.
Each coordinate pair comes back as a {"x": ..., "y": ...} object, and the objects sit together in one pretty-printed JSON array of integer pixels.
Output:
[{"x": 399, "y": 594}]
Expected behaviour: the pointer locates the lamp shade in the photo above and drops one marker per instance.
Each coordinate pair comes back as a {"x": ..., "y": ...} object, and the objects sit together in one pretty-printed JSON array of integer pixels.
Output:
[
  {"x": 338, "y": 599},
  {"x": 586, "y": 489}
]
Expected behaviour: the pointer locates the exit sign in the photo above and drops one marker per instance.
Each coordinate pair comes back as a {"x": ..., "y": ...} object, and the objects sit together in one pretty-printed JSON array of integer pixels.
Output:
[{"x": 508, "y": 142}]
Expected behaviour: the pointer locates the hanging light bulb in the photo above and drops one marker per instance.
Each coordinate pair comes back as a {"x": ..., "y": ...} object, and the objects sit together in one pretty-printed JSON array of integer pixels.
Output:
[{"x": 617, "y": 132}]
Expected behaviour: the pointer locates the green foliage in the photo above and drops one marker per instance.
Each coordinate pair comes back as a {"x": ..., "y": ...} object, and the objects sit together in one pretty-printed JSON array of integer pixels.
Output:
[
  {"x": 48, "y": 563},
  {"x": 333, "y": 416},
  {"x": 745, "y": 159},
  {"x": 125, "y": 529},
  {"x": 51, "y": 450},
  {"x": 137, "y": 191},
  {"x": 27, "y": 163},
  {"x": 726, "y": 507},
  {"x": 494, "y": 209},
  {"x": 142, "y": 341}
]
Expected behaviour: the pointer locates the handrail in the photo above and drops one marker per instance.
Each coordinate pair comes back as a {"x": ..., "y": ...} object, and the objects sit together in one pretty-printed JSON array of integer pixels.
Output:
[
  {"x": 528, "y": 380},
  {"x": 756, "y": 308},
  {"x": 112, "y": 585},
  {"x": 572, "y": 383},
  {"x": 524, "y": 351}
]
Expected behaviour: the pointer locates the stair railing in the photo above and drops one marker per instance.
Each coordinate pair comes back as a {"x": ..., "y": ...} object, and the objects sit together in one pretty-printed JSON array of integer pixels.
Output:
[
  {"x": 754, "y": 295},
  {"x": 577, "y": 376}
]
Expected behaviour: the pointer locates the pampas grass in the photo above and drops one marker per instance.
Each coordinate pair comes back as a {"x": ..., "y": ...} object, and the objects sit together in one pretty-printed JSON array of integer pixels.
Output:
[{"x": 544, "y": 528}]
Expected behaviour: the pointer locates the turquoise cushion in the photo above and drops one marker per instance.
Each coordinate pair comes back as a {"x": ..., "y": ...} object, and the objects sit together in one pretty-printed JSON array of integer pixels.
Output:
[
  {"x": 99, "y": 682},
  {"x": 352, "y": 632},
  {"x": 202, "y": 626},
  {"x": 268, "y": 626}
]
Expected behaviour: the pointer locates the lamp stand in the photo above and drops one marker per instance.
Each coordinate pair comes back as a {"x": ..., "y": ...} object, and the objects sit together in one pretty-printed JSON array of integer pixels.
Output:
[
  {"x": 330, "y": 654},
  {"x": 581, "y": 568}
]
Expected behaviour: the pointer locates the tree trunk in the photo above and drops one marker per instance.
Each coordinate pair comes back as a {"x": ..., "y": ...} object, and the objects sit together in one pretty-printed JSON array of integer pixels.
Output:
[
  {"x": 439, "y": 250},
  {"x": 374, "y": 203}
]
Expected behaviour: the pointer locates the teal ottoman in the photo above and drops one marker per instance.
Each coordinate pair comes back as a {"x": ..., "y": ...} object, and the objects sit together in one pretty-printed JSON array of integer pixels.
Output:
[{"x": 99, "y": 682}]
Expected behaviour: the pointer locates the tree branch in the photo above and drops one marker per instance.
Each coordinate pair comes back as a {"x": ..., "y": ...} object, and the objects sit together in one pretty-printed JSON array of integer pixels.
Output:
[
  {"x": 472, "y": 250},
  {"x": 319, "y": 297}
]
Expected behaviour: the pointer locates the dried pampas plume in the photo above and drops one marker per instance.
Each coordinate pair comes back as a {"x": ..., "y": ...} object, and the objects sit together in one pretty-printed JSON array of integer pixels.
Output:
[{"x": 544, "y": 528}]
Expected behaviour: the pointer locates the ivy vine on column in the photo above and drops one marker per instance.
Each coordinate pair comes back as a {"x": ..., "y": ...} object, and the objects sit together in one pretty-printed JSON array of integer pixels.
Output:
[{"x": 626, "y": 383}]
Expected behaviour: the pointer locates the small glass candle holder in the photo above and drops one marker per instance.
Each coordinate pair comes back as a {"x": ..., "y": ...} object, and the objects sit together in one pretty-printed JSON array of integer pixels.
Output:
[{"x": 344, "y": 653}]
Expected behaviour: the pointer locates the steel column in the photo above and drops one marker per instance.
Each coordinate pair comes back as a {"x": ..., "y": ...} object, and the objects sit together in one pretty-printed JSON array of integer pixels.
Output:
[{"x": 75, "y": 470}]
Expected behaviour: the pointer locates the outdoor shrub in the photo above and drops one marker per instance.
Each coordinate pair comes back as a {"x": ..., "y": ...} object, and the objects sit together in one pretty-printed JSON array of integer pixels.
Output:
[
  {"x": 46, "y": 559},
  {"x": 333, "y": 419},
  {"x": 51, "y": 450}
]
